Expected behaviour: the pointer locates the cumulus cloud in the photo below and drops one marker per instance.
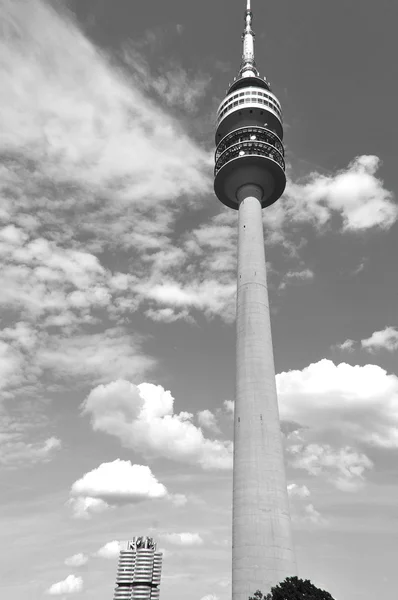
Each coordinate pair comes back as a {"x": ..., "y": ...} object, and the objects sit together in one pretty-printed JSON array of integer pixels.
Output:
[
  {"x": 110, "y": 550},
  {"x": 229, "y": 406},
  {"x": 183, "y": 539},
  {"x": 355, "y": 193},
  {"x": 386, "y": 338},
  {"x": 351, "y": 403},
  {"x": 117, "y": 482},
  {"x": 207, "y": 420},
  {"x": 143, "y": 418},
  {"x": 70, "y": 585},
  {"x": 77, "y": 560}
]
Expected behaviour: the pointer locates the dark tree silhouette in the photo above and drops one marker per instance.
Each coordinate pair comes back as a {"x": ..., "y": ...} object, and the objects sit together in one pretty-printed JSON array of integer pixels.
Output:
[
  {"x": 259, "y": 596},
  {"x": 294, "y": 588}
]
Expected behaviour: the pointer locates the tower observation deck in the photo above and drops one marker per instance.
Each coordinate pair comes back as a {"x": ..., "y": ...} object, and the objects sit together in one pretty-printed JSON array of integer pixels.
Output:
[{"x": 250, "y": 175}]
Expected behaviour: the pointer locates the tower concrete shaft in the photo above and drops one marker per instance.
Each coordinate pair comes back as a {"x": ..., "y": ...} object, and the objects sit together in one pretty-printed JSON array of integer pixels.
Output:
[
  {"x": 262, "y": 552},
  {"x": 249, "y": 175}
]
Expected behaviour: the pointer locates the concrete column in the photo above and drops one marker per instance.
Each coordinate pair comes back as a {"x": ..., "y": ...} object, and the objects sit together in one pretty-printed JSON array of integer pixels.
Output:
[{"x": 262, "y": 548}]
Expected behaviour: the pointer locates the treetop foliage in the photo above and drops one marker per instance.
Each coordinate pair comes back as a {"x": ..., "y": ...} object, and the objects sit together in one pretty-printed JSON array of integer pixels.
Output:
[{"x": 294, "y": 588}]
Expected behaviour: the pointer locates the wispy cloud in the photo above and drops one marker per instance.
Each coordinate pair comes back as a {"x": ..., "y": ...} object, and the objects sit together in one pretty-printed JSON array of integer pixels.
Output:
[
  {"x": 344, "y": 468},
  {"x": 183, "y": 539},
  {"x": 87, "y": 123},
  {"x": 77, "y": 560},
  {"x": 302, "y": 509},
  {"x": 347, "y": 345}
]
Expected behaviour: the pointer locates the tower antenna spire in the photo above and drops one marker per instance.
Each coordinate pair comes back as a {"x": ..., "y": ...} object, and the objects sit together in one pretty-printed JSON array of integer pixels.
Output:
[{"x": 248, "y": 66}]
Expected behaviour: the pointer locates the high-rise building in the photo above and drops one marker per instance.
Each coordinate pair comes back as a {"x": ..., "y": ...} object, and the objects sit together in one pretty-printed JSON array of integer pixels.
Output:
[
  {"x": 250, "y": 176},
  {"x": 139, "y": 571}
]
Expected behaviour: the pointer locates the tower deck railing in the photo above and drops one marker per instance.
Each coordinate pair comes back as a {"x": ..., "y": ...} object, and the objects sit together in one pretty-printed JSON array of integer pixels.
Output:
[
  {"x": 241, "y": 149},
  {"x": 243, "y": 134}
]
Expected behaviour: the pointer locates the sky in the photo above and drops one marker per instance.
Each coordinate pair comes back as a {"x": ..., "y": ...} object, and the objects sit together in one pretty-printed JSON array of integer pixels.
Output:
[{"x": 117, "y": 291}]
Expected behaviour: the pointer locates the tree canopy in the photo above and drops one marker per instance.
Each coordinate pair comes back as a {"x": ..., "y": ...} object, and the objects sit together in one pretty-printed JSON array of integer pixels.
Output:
[{"x": 294, "y": 588}]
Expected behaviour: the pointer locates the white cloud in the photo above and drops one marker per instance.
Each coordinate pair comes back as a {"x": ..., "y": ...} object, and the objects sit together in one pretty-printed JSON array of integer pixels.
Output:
[
  {"x": 303, "y": 511},
  {"x": 21, "y": 335},
  {"x": 114, "y": 483},
  {"x": 119, "y": 481},
  {"x": 85, "y": 507},
  {"x": 348, "y": 345},
  {"x": 303, "y": 274},
  {"x": 183, "y": 539},
  {"x": 171, "y": 83},
  {"x": 77, "y": 560},
  {"x": 355, "y": 193},
  {"x": 70, "y": 585},
  {"x": 15, "y": 450},
  {"x": 63, "y": 291},
  {"x": 386, "y": 338},
  {"x": 95, "y": 138},
  {"x": 142, "y": 418},
  {"x": 352, "y": 403},
  {"x": 209, "y": 295},
  {"x": 210, "y": 597},
  {"x": 42, "y": 278},
  {"x": 110, "y": 550},
  {"x": 344, "y": 468},
  {"x": 313, "y": 516},
  {"x": 229, "y": 406},
  {"x": 168, "y": 315},
  {"x": 96, "y": 356},
  {"x": 298, "y": 490},
  {"x": 208, "y": 420},
  {"x": 11, "y": 365},
  {"x": 296, "y": 276}
]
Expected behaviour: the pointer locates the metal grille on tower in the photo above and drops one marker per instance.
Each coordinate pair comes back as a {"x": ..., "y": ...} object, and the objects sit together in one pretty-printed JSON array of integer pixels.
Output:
[{"x": 139, "y": 571}]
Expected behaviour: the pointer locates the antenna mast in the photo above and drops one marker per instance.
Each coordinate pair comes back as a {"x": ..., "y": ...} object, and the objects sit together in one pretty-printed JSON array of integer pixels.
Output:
[{"x": 248, "y": 66}]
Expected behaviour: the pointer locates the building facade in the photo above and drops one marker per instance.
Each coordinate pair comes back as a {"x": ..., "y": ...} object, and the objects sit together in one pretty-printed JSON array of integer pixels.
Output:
[
  {"x": 249, "y": 176},
  {"x": 139, "y": 571}
]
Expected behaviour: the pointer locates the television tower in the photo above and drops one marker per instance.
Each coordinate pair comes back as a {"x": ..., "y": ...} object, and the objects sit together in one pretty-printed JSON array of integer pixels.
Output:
[{"x": 249, "y": 176}]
